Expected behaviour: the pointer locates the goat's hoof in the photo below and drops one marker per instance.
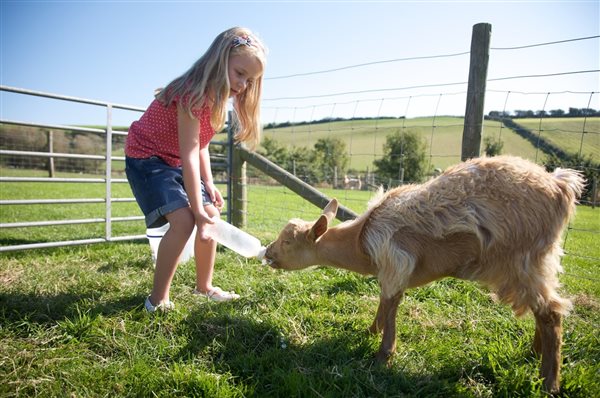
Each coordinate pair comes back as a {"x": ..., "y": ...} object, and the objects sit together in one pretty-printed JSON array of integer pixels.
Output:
[
  {"x": 552, "y": 388},
  {"x": 383, "y": 357}
]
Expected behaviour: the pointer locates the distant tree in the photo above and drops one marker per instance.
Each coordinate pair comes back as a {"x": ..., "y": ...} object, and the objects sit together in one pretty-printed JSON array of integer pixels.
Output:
[
  {"x": 557, "y": 113},
  {"x": 492, "y": 146},
  {"x": 298, "y": 161},
  {"x": 403, "y": 153},
  {"x": 588, "y": 112},
  {"x": 330, "y": 154},
  {"x": 498, "y": 114},
  {"x": 274, "y": 151},
  {"x": 301, "y": 162},
  {"x": 524, "y": 113}
]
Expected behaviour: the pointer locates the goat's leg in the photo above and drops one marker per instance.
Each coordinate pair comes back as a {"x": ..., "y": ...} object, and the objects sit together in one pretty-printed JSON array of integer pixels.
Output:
[
  {"x": 377, "y": 324},
  {"x": 549, "y": 330},
  {"x": 537, "y": 340},
  {"x": 389, "y": 309}
]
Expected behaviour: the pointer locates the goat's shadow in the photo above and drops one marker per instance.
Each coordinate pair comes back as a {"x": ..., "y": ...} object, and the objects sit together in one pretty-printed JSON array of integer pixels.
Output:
[{"x": 259, "y": 354}]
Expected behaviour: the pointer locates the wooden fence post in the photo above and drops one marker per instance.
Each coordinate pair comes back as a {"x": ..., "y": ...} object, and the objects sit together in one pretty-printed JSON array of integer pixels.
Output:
[
  {"x": 595, "y": 192},
  {"x": 335, "y": 177},
  {"x": 238, "y": 190},
  {"x": 480, "y": 51},
  {"x": 236, "y": 173}
]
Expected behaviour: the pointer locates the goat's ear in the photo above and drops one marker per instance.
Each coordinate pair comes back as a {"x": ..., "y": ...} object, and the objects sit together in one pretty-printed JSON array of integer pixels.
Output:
[
  {"x": 331, "y": 209},
  {"x": 318, "y": 228}
]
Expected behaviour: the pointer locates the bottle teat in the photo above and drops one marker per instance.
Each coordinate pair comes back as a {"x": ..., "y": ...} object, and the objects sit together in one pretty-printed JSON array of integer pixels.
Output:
[{"x": 261, "y": 253}]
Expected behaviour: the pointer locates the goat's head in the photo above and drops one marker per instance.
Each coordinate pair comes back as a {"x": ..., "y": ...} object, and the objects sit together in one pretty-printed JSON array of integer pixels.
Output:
[{"x": 295, "y": 247}]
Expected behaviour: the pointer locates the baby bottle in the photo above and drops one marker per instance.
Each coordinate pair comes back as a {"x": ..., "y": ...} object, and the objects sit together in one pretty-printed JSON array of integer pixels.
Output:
[{"x": 235, "y": 239}]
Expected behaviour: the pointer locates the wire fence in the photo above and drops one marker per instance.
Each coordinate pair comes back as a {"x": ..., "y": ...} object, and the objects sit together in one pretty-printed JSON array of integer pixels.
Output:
[
  {"x": 363, "y": 124},
  {"x": 362, "y": 118}
]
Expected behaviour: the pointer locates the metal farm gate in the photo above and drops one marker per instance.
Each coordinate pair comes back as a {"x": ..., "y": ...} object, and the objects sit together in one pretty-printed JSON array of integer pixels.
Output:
[{"x": 221, "y": 163}]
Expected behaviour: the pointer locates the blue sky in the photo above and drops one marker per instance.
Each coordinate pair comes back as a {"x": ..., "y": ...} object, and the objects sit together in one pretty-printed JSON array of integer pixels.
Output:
[{"x": 121, "y": 51}]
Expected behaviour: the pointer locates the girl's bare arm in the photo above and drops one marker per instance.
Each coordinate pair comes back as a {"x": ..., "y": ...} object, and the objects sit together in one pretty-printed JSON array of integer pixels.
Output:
[{"x": 189, "y": 150}]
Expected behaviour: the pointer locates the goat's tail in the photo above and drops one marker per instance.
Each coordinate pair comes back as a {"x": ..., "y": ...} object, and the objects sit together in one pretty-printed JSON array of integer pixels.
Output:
[{"x": 570, "y": 182}]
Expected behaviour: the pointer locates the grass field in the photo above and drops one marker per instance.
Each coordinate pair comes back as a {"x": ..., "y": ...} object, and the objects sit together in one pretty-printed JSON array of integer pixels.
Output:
[
  {"x": 567, "y": 133},
  {"x": 72, "y": 321},
  {"x": 365, "y": 138}
]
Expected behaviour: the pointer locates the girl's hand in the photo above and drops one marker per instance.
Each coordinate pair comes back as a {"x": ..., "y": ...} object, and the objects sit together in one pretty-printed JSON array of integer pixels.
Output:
[
  {"x": 215, "y": 196},
  {"x": 202, "y": 220}
]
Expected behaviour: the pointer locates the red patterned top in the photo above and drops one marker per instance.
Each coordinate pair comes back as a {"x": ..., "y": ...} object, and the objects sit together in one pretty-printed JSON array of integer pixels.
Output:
[{"x": 155, "y": 134}]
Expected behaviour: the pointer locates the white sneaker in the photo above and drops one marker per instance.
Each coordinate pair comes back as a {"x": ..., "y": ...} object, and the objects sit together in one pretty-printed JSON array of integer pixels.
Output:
[
  {"x": 218, "y": 294},
  {"x": 163, "y": 307}
]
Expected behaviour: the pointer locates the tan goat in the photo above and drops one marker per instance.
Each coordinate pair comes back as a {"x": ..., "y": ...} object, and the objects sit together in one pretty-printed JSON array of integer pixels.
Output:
[{"x": 498, "y": 221}]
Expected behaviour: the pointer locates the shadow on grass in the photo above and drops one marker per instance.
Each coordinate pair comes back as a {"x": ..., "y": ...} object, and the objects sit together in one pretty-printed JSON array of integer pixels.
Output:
[
  {"x": 47, "y": 309},
  {"x": 351, "y": 285},
  {"x": 74, "y": 250},
  {"x": 73, "y": 296},
  {"x": 117, "y": 264},
  {"x": 261, "y": 357}
]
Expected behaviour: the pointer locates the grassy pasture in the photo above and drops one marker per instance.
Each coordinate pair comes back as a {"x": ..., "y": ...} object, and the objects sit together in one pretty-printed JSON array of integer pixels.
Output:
[
  {"x": 72, "y": 322},
  {"x": 567, "y": 133},
  {"x": 365, "y": 138}
]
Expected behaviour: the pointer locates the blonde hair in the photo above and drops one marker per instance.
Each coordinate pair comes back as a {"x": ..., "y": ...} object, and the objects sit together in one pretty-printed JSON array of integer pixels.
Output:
[{"x": 208, "y": 79}]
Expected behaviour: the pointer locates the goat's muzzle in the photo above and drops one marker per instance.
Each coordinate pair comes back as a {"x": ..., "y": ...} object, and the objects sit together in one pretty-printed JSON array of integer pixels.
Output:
[{"x": 267, "y": 259}]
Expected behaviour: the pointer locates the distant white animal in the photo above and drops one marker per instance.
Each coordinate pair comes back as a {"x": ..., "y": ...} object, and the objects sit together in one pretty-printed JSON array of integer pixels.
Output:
[{"x": 352, "y": 183}]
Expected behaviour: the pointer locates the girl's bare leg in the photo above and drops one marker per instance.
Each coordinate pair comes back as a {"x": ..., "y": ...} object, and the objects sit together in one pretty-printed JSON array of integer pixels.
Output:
[
  {"x": 169, "y": 252},
  {"x": 205, "y": 254}
]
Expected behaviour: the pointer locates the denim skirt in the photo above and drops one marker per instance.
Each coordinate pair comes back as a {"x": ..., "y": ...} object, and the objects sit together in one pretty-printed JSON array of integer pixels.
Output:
[{"x": 158, "y": 188}]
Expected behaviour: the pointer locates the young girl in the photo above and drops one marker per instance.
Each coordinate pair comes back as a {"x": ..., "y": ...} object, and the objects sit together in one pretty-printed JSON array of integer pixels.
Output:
[{"x": 167, "y": 160}]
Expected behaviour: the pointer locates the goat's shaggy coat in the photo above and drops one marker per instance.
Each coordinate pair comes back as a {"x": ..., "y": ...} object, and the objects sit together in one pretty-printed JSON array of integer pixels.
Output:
[{"x": 495, "y": 220}]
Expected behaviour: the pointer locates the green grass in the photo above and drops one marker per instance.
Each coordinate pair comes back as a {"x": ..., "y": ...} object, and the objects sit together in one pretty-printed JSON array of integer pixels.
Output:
[
  {"x": 568, "y": 133},
  {"x": 44, "y": 212},
  {"x": 72, "y": 322}
]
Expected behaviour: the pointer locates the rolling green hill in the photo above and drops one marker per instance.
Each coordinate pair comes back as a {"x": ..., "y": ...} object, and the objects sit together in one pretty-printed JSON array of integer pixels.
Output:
[
  {"x": 569, "y": 134},
  {"x": 443, "y": 135},
  {"x": 364, "y": 138}
]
